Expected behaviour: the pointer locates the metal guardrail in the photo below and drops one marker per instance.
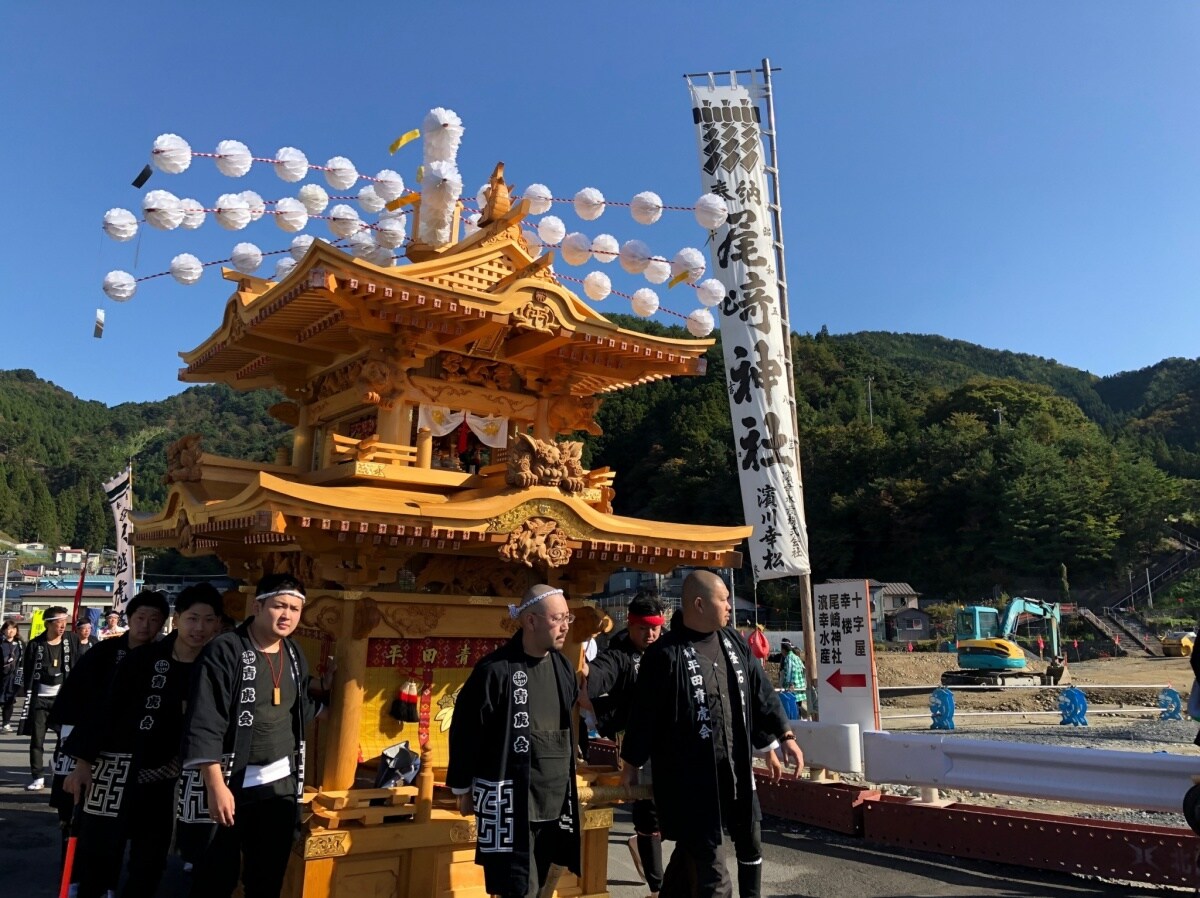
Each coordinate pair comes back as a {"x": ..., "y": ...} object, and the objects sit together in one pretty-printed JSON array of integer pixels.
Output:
[{"x": 1151, "y": 782}]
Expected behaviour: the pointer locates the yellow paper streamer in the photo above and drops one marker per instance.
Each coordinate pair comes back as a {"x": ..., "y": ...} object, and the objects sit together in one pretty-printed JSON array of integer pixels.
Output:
[
  {"x": 406, "y": 137},
  {"x": 399, "y": 202},
  {"x": 420, "y": 173},
  {"x": 679, "y": 278}
]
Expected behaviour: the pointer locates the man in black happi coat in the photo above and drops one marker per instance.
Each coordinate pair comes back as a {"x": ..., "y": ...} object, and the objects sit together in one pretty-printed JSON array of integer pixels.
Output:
[
  {"x": 701, "y": 704},
  {"x": 512, "y": 763},
  {"x": 48, "y": 659}
]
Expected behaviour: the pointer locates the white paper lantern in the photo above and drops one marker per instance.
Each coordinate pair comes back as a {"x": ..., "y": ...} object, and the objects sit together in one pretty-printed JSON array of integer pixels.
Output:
[
  {"x": 119, "y": 285},
  {"x": 576, "y": 248},
  {"x": 605, "y": 248},
  {"x": 233, "y": 212},
  {"x": 691, "y": 260},
  {"x": 389, "y": 232},
  {"x": 186, "y": 269},
  {"x": 471, "y": 224},
  {"x": 635, "y": 256},
  {"x": 246, "y": 257},
  {"x": 533, "y": 240},
  {"x": 442, "y": 131},
  {"x": 300, "y": 246},
  {"x": 710, "y": 292},
  {"x": 290, "y": 214},
  {"x": 711, "y": 211},
  {"x": 193, "y": 213},
  {"x": 589, "y": 204},
  {"x": 361, "y": 243},
  {"x": 551, "y": 230},
  {"x": 344, "y": 221},
  {"x": 646, "y": 207},
  {"x": 120, "y": 224},
  {"x": 389, "y": 185},
  {"x": 440, "y": 190},
  {"x": 233, "y": 158},
  {"x": 291, "y": 164},
  {"x": 381, "y": 256},
  {"x": 658, "y": 270},
  {"x": 370, "y": 200},
  {"x": 256, "y": 204},
  {"x": 284, "y": 267},
  {"x": 540, "y": 199},
  {"x": 340, "y": 173},
  {"x": 597, "y": 285},
  {"x": 644, "y": 302},
  {"x": 171, "y": 154},
  {"x": 314, "y": 197},
  {"x": 700, "y": 323},
  {"x": 162, "y": 210}
]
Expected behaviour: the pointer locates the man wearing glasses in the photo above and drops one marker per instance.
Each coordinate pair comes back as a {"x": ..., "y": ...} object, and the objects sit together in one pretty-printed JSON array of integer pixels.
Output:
[{"x": 511, "y": 758}]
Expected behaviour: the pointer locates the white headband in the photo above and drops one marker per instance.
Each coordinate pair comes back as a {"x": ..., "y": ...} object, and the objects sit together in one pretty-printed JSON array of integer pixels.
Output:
[
  {"x": 57, "y": 617},
  {"x": 280, "y": 592},
  {"x": 514, "y": 611}
]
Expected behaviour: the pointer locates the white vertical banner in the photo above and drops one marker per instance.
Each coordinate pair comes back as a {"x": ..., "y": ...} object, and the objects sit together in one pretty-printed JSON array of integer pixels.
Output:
[
  {"x": 753, "y": 335},
  {"x": 120, "y": 498}
]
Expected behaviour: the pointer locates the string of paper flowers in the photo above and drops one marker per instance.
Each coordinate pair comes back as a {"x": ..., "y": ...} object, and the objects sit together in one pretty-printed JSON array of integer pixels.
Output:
[{"x": 385, "y": 196}]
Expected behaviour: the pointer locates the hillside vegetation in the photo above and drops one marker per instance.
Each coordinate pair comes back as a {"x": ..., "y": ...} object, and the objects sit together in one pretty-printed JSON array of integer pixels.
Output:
[{"x": 971, "y": 467}]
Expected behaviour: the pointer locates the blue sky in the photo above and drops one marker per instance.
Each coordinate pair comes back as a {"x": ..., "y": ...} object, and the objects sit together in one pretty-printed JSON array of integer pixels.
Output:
[{"x": 1023, "y": 175}]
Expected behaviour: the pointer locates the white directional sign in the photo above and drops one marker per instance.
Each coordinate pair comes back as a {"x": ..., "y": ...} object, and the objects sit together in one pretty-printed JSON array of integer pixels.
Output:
[{"x": 848, "y": 687}]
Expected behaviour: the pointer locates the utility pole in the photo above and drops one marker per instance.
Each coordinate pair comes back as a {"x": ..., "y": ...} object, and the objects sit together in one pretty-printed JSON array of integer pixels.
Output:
[
  {"x": 870, "y": 403},
  {"x": 999, "y": 410},
  {"x": 1149, "y": 594},
  {"x": 8, "y": 556}
]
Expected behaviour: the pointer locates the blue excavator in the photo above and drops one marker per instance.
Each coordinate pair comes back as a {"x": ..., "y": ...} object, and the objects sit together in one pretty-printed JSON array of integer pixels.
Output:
[{"x": 987, "y": 654}]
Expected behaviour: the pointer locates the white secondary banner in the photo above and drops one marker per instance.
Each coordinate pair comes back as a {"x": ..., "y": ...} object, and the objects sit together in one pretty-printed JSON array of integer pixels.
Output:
[
  {"x": 120, "y": 499},
  {"x": 753, "y": 335}
]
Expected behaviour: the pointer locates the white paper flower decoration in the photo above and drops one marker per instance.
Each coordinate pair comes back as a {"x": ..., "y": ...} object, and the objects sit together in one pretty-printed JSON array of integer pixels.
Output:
[
  {"x": 389, "y": 232},
  {"x": 340, "y": 173},
  {"x": 700, "y": 323},
  {"x": 540, "y": 199},
  {"x": 370, "y": 200},
  {"x": 300, "y": 246},
  {"x": 361, "y": 243},
  {"x": 233, "y": 158},
  {"x": 589, "y": 204},
  {"x": 344, "y": 220},
  {"x": 442, "y": 131},
  {"x": 605, "y": 248},
  {"x": 576, "y": 248},
  {"x": 291, "y": 164},
  {"x": 691, "y": 260},
  {"x": 162, "y": 210},
  {"x": 246, "y": 257},
  {"x": 440, "y": 190},
  {"x": 171, "y": 154},
  {"x": 284, "y": 267},
  {"x": 314, "y": 197},
  {"x": 290, "y": 214},
  {"x": 711, "y": 211},
  {"x": 597, "y": 286},
  {"x": 533, "y": 240},
  {"x": 186, "y": 269},
  {"x": 482, "y": 194},
  {"x": 471, "y": 224},
  {"x": 119, "y": 285},
  {"x": 658, "y": 270},
  {"x": 710, "y": 292},
  {"x": 120, "y": 224},
  {"x": 193, "y": 213},
  {"x": 551, "y": 230},
  {"x": 255, "y": 203},
  {"x": 644, "y": 302},
  {"x": 635, "y": 256},
  {"x": 389, "y": 185},
  {"x": 381, "y": 256},
  {"x": 233, "y": 212},
  {"x": 646, "y": 207}
]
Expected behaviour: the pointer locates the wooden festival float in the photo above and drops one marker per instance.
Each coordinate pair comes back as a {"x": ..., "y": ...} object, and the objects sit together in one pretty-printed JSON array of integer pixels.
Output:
[{"x": 410, "y": 546}]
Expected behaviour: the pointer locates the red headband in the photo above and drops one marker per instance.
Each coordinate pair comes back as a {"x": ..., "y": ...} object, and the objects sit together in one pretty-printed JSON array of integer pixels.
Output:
[{"x": 648, "y": 620}]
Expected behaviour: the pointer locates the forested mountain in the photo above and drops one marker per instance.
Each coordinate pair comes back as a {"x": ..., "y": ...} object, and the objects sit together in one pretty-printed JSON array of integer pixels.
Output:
[{"x": 967, "y": 467}]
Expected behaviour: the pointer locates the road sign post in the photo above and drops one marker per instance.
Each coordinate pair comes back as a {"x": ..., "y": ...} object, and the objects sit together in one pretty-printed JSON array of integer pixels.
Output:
[{"x": 846, "y": 655}]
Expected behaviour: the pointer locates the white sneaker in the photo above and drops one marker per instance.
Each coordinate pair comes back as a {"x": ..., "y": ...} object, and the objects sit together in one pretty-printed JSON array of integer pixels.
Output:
[
  {"x": 37, "y": 785},
  {"x": 7, "y": 728}
]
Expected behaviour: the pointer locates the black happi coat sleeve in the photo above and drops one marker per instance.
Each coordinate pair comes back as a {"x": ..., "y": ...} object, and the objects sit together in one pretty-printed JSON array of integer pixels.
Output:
[
  {"x": 215, "y": 679},
  {"x": 25, "y": 681},
  {"x": 474, "y": 709},
  {"x": 88, "y": 684},
  {"x": 654, "y": 701}
]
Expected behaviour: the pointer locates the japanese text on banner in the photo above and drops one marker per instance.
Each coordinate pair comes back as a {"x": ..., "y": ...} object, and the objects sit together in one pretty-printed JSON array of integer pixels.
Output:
[{"x": 120, "y": 498}]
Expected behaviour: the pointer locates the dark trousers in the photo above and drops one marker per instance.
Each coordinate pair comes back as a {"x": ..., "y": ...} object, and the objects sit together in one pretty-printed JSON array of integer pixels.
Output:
[
  {"x": 698, "y": 868},
  {"x": 262, "y": 835},
  {"x": 6, "y": 709},
  {"x": 35, "y": 727},
  {"x": 145, "y": 824},
  {"x": 649, "y": 844},
  {"x": 543, "y": 839}
]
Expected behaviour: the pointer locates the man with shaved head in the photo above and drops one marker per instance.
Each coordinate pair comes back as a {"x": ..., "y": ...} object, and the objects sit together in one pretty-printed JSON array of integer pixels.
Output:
[
  {"x": 512, "y": 763},
  {"x": 702, "y": 704}
]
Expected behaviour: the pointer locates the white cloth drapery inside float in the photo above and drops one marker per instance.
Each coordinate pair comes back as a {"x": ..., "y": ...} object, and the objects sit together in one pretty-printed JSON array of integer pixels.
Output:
[
  {"x": 492, "y": 430},
  {"x": 439, "y": 419}
]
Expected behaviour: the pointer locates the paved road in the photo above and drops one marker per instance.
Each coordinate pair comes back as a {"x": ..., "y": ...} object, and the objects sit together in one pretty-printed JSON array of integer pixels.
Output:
[{"x": 799, "y": 861}]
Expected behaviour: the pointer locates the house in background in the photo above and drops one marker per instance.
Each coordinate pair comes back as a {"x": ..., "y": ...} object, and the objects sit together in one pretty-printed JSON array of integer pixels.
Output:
[
  {"x": 886, "y": 600},
  {"x": 908, "y": 625}
]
